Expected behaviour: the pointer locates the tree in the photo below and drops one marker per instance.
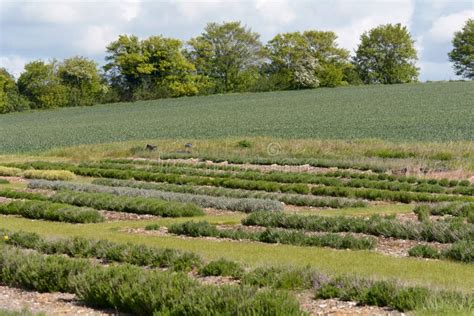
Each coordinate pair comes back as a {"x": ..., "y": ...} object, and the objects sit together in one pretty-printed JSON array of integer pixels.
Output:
[
  {"x": 386, "y": 54},
  {"x": 42, "y": 86},
  {"x": 462, "y": 55},
  {"x": 291, "y": 63},
  {"x": 82, "y": 79},
  {"x": 126, "y": 65},
  {"x": 307, "y": 60},
  {"x": 10, "y": 99},
  {"x": 226, "y": 53},
  {"x": 151, "y": 68},
  {"x": 333, "y": 60}
]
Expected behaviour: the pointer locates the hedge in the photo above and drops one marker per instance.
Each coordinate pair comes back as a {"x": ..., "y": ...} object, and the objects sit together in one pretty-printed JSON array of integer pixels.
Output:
[
  {"x": 137, "y": 205},
  {"x": 291, "y": 237},
  {"x": 242, "y": 205},
  {"x": 138, "y": 291},
  {"x": 51, "y": 211},
  {"x": 293, "y": 199},
  {"x": 444, "y": 232}
]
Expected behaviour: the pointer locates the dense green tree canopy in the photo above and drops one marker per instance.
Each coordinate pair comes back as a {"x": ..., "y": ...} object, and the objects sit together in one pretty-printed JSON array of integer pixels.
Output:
[
  {"x": 155, "y": 64},
  {"x": 81, "y": 77},
  {"x": 41, "y": 85},
  {"x": 386, "y": 54},
  {"x": 462, "y": 55},
  {"x": 291, "y": 61},
  {"x": 307, "y": 60},
  {"x": 225, "y": 53},
  {"x": 7, "y": 85}
]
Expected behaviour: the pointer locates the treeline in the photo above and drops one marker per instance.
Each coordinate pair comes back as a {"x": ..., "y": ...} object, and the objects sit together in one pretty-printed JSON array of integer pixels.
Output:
[{"x": 227, "y": 57}]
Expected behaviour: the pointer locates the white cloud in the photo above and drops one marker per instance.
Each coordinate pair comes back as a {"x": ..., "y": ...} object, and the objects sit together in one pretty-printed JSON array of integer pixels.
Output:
[
  {"x": 51, "y": 12},
  {"x": 369, "y": 15},
  {"x": 95, "y": 38},
  {"x": 443, "y": 28},
  {"x": 13, "y": 64},
  {"x": 436, "y": 71},
  {"x": 281, "y": 11},
  {"x": 130, "y": 9}
]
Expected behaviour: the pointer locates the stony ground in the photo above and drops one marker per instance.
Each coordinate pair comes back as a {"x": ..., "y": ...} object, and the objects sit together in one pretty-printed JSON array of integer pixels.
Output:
[
  {"x": 48, "y": 303},
  {"x": 66, "y": 304}
]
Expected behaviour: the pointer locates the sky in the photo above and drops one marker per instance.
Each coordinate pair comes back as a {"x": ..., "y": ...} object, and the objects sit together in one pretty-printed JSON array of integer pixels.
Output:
[{"x": 31, "y": 30}]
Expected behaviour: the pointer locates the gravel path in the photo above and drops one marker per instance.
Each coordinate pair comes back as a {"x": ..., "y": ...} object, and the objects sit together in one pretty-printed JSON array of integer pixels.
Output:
[
  {"x": 335, "y": 307},
  {"x": 49, "y": 303}
]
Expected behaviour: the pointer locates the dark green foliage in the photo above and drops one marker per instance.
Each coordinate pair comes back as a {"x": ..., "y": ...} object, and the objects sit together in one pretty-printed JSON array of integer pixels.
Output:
[
  {"x": 4, "y": 181},
  {"x": 424, "y": 251},
  {"x": 292, "y": 237},
  {"x": 51, "y": 211},
  {"x": 387, "y": 55},
  {"x": 13, "y": 194},
  {"x": 444, "y": 232},
  {"x": 244, "y": 144},
  {"x": 462, "y": 54},
  {"x": 222, "y": 267},
  {"x": 138, "y": 205}
]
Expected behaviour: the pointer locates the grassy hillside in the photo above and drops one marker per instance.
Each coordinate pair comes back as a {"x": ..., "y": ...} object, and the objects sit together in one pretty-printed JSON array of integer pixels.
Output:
[{"x": 417, "y": 112}]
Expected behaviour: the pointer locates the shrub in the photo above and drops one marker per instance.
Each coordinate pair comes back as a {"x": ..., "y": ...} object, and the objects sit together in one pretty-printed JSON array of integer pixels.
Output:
[
  {"x": 461, "y": 251},
  {"x": 294, "y": 199},
  {"x": 9, "y": 171},
  {"x": 138, "y": 291},
  {"x": 13, "y": 194},
  {"x": 39, "y": 273},
  {"x": 48, "y": 174},
  {"x": 447, "y": 208},
  {"x": 243, "y": 205},
  {"x": 133, "y": 290},
  {"x": 444, "y": 232},
  {"x": 222, "y": 267},
  {"x": 379, "y": 293},
  {"x": 194, "y": 229},
  {"x": 4, "y": 181},
  {"x": 106, "y": 250},
  {"x": 280, "y": 278},
  {"x": 51, "y": 211},
  {"x": 244, "y": 144},
  {"x": 422, "y": 212},
  {"x": 424, "y": 251},
  {"x": 292, "y": 237},
  {"x": 138, "y": 205}
]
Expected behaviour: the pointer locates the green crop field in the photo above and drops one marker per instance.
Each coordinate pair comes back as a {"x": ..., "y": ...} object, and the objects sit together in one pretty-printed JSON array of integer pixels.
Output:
[{"x": 412, "y": 112}]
